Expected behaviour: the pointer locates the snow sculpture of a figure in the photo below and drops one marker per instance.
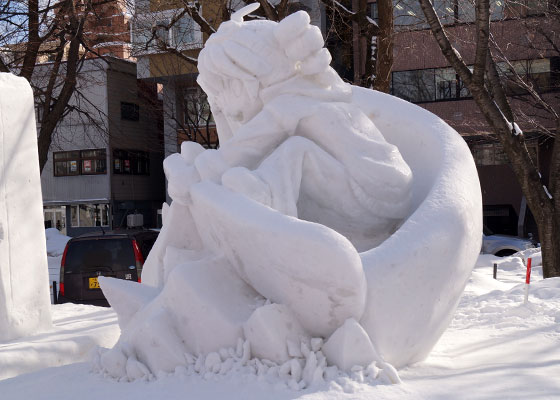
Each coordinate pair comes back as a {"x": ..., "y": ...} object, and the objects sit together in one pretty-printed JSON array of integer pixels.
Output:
[
  {"x": 284, "y": 114},
  {"x": 309, "y": 205}
]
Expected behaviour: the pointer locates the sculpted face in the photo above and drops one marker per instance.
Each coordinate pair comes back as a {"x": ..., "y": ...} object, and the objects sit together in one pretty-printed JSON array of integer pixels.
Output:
[{"x": 235, "y": 105}]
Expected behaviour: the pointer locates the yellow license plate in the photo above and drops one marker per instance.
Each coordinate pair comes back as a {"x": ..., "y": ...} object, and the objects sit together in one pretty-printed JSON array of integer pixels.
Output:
[{"x": 93, "y": 283}]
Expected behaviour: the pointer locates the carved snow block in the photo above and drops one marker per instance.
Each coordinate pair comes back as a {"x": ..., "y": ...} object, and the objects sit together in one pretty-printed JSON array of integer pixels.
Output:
[{"x": 24, "y": 285}]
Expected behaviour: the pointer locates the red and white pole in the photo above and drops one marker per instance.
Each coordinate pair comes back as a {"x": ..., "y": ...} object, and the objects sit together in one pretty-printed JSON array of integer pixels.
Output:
[{"x": 527, "y": 280}]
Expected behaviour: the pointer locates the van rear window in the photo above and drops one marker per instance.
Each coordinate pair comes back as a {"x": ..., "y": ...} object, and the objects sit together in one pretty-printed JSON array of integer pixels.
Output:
[{"x": 99, "y": 255}]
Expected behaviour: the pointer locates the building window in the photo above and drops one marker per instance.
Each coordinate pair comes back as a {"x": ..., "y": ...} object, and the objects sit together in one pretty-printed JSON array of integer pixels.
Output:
[
  {"x": 183, "y": 31},
  {"x": 494, "y": 154},
  {"x": 541, "y": 74},
  {"x": 131, "y": 162},
  {"x": 489, "y": 154},
  {"x": 80, "y": 162},
  {"x": 196, "y": 109},
  {"x": 414, "y": 86},
  {"x": 89, "y": 215},
  {"x": 437, "y": 84},
  {"x": 93, "y": 162},
  {"x": 152, "y": 32},
  {"x": 426, "y": 85},
  {"x": 372, "y": 11},
  {"x": 449, "y": 85},
  {"x": 536, "y": 7},
  {"x": 130, "y": 111},
  {"x": 408, "y": 14}
]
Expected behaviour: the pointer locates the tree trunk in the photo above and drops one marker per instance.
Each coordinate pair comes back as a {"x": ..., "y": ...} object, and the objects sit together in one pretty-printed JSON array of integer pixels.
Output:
[
  {"x": 384, "y": 59},
  {"x": 356, "y": 45},
  {"x": 51, "y": 120},
  {"x": 34, "y": 42},
  {"x": 544, "y": 205},
  {"x": 549, "y": 234}
]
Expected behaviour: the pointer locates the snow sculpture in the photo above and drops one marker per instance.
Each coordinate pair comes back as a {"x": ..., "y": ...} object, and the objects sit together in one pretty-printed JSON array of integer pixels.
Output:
[
  {"x": 24, "y": 286},
  {"x": 356, "y": 214}
]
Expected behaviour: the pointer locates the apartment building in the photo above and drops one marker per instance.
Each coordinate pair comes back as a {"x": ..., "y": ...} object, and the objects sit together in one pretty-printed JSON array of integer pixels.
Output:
[
  {"x": 422, "y": 75},
  {"x": 166, "y": 41},
  {"x": 105, "y": 161}
]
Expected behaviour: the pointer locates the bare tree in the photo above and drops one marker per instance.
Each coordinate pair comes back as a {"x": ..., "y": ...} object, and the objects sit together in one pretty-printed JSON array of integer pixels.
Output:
[
  {"x": 371, "y": 42},
  {"x": 487, "y": 87},
  {"x": 179, "y": 32},
  {"x": 171, "y": 31},
  {"x": 33, "y": 31},
  {"x": 384, "y": 56}
]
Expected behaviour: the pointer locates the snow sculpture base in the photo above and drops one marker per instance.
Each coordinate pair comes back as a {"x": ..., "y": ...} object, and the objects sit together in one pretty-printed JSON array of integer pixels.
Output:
[
  {"x": 357, "y": 214},
  {"x": 24, "y": 286}
]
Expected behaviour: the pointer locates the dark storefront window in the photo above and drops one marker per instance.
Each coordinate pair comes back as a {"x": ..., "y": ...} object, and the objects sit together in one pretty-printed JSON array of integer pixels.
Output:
[
  {"x": 89, "y": 215},
  {"x": 80, "y": 162},
  {"x": 131, "y": 162}
]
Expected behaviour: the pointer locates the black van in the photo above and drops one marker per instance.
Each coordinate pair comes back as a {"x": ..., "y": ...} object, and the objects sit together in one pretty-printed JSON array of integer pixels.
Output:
[{"x": 116, "y": 254}]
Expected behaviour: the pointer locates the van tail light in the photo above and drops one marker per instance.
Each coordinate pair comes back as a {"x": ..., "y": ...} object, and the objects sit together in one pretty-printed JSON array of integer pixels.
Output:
[
  {"x": 139, "y": 259},
  {"x": 61, "y": 277}
]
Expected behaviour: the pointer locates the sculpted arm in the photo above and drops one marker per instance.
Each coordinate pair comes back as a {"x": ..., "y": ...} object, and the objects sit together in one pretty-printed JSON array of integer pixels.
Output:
[{"x": 250, "y": 144}]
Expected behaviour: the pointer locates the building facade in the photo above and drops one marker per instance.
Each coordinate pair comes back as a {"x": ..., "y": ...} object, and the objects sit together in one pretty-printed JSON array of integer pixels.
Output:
[
  {"x": 166, "y": 42},
  {"x": 422, "y": 75},
  {"x": 105, "y": 161}
]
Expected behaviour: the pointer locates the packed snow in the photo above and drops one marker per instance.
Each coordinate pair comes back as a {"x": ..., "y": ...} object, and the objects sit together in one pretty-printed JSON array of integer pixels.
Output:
[
  {"x": 24, "y": 296},
  {"x": 56, "y": 242},
  {"x": 330, "y": 216},
  {"x": 77, "y": 330},
  {"x": 495, "y": 347}
]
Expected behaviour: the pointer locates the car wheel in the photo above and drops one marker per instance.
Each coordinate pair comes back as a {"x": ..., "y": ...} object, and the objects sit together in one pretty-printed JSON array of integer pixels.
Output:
[{"x": 505, "y": 253}]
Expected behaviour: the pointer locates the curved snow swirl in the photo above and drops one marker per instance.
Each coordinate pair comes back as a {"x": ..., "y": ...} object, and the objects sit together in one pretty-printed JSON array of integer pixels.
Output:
[{"x": 415, "y": 277}]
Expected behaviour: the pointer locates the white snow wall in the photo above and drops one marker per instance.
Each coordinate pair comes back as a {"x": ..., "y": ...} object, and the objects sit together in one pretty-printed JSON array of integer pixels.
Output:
[{"x": 24, "y": 286}]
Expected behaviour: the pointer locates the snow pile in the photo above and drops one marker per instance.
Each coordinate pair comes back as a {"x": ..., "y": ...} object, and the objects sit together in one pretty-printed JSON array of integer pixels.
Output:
[
  {"x": 24, "y": 302},
  {"x": 56, "y": 242},
  {"x": 497, "y": 305},
  {"x": 77, "y": 330},
  {"x": 329, "y": 214},
  {"x": 507, "y": 291}
]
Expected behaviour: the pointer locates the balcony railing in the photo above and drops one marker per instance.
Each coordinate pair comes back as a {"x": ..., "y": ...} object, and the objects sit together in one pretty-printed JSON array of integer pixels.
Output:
[{"x": 154, "y": 32}]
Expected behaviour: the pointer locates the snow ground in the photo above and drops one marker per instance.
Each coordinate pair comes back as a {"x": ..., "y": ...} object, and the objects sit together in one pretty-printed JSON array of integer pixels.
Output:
[
  {"x": 496, "y": 348},
  {"x": 76, "y": 330}
]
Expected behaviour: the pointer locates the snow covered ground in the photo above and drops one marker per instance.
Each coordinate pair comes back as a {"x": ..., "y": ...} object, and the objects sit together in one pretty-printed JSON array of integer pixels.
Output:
[
  {"x": 496, "y": 348},
  {"x": 77, "y": 329}
]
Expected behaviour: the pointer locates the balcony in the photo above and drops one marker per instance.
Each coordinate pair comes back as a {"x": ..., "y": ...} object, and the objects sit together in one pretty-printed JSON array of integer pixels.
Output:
[{"x": 156, "y": 33}]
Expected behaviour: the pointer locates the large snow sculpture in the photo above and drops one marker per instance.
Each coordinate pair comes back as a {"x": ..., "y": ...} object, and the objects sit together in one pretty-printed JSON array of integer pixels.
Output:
[
  {"x": 24, "y": 286},
  {"x": 336, "y": 203}
]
